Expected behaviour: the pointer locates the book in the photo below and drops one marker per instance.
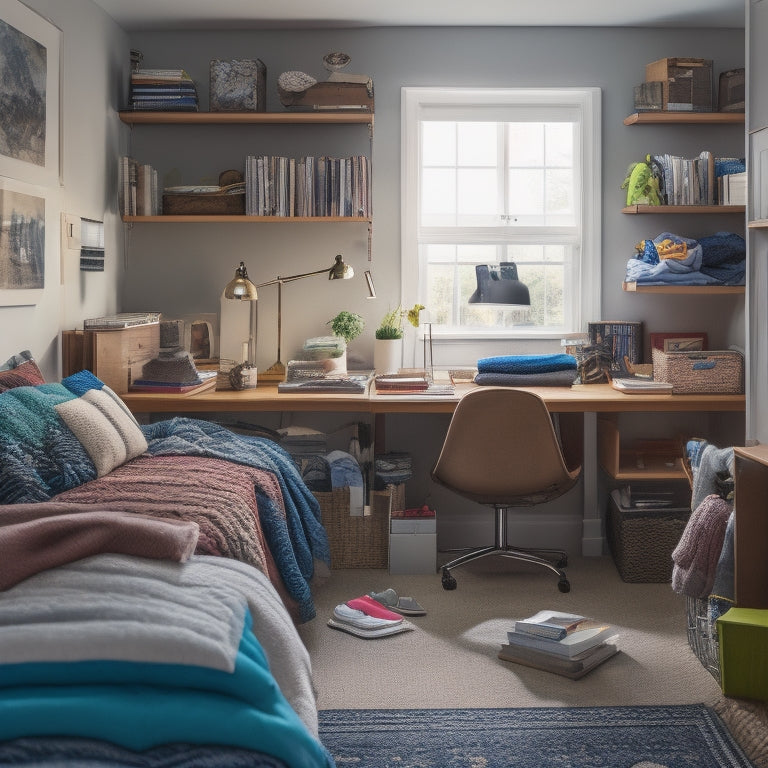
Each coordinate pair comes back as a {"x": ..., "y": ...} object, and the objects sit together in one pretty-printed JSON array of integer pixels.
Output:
[
  {"x": 641, "y": 386},
  {"x": 589, "y": 635},
  {"x": 121, "y": 320},
  {"x": 573, "y": 668},
  {"x": 207, "y": 381},
  {"x": 553, "y": 627}
]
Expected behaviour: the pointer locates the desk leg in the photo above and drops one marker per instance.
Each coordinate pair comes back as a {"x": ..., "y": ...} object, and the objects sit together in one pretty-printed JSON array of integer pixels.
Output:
[{"x": 592, "y": 527}]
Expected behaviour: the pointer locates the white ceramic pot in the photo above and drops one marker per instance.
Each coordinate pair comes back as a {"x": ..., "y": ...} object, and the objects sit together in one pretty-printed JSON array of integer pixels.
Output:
[{"x": 387, "y": 355}]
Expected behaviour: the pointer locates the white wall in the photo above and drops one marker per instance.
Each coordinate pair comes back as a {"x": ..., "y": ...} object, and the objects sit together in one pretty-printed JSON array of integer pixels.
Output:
[{"x": 94, "y": 66}]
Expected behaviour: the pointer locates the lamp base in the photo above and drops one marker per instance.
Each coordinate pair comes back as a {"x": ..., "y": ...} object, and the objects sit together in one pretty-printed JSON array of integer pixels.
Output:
[{"x": 275, "y": 372}]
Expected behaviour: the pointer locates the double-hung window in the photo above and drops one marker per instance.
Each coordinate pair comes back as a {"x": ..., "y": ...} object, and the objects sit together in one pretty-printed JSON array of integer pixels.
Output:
[{"x": 501, "y": 175}]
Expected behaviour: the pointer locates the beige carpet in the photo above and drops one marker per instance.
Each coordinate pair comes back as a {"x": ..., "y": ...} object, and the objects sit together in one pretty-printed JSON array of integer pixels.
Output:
[{"x": 450, "y": 661}]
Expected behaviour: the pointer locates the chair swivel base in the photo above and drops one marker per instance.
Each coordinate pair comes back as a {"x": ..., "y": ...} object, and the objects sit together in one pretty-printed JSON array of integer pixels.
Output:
[{"x": 527, "y": 556}]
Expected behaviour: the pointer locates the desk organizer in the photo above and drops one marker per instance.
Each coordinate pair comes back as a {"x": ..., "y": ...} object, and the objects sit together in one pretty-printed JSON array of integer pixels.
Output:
[
  {"x": 716, "y": 372},
  {"x": 358, "y": 541}
]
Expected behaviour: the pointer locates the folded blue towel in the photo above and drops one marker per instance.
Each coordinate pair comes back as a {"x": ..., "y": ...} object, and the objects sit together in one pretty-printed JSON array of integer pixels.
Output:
[{"x": 527, "y": 363}]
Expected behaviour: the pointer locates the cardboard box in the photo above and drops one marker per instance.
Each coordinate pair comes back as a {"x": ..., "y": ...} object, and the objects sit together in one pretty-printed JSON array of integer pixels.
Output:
[
  {"x": 413, "y": 553},
  {"x": 686, "y": 83},
  {"x": 743, "y": 638}
]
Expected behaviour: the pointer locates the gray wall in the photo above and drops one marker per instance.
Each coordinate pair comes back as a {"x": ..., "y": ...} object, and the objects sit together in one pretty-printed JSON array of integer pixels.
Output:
[{"x": 94, "y": 65}]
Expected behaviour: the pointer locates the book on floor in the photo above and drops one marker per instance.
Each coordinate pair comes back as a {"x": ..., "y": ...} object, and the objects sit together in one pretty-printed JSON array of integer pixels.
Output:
[
  {"x": 573, "y": 668},
  {"x": 582, "y": 633}
]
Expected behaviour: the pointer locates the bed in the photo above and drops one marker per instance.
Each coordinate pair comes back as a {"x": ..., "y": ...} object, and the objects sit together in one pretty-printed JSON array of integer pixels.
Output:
[{"x": 151, "y": 581}]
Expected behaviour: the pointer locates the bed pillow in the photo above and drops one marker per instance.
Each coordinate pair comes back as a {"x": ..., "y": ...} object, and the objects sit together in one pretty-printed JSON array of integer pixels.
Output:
[{"x": 20, "y": 371}]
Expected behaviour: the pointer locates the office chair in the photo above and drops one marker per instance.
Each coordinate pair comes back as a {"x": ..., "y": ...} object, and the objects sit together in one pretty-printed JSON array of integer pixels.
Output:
[{"x": 502, "y": 450}]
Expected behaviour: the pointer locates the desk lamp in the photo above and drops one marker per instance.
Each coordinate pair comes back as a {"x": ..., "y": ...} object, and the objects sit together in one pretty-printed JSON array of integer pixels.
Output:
[
  {"x": 500, "y": 287},
  {"x": 241, "y": 288}
]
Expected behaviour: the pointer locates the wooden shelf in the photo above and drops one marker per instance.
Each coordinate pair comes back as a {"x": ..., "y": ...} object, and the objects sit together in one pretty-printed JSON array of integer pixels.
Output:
[
  {"x": 689, "y": 289},
  {"x": 700, "y": 118},
  {"x": 758, "y": 224},
  {"x": 242, "y": 219},
  {"x": 248, "y": 118},
  {"x": 665, "y": 209}
]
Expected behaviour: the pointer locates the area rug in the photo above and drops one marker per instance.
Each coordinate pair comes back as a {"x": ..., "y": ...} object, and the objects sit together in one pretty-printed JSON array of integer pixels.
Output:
[{"x": 689, "y": 736}]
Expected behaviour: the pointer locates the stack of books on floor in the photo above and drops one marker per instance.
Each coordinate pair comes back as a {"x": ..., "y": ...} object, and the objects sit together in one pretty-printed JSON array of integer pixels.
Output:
[
  {"x": 166, "y": 90},
  {"x": 564, "y": 643}
]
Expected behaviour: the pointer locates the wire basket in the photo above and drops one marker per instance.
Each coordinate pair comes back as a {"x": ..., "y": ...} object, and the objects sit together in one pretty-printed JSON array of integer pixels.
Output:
[{"x": 702, "y": 635}]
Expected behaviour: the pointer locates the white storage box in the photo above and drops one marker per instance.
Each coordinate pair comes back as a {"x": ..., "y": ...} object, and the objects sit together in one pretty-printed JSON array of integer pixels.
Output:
[{"x": 413, "y": 553}]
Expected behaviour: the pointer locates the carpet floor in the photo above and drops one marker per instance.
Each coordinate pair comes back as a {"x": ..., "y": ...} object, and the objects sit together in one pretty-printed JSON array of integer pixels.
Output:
[{"x": 687, "y": 736}]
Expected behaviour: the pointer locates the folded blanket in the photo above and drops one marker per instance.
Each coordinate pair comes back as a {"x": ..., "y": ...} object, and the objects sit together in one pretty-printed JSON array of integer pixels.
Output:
[
  {"x": 550, "y": 379},
  {"x": 35, "y": 537},
  {"x": 696, "y": 556},
  {"x": 526, "y": 363},
  {"x": 711, "y": 461},
  {"x": 147, "y": 615}
]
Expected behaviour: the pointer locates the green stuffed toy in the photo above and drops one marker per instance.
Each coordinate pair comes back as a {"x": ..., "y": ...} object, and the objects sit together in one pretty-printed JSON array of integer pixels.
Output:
[{"x": 641, "y": 184}]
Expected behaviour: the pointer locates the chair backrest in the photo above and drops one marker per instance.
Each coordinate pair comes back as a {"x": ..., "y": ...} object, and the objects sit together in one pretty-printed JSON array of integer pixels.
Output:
[{"x": 501, "y": 448}]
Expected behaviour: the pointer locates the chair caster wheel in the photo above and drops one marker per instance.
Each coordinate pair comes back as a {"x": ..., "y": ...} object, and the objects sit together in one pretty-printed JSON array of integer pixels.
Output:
[
  {"x": 564, "y": 585},
  {"x": 448, "y": 581},
  {"x": 562, "y": 562}
]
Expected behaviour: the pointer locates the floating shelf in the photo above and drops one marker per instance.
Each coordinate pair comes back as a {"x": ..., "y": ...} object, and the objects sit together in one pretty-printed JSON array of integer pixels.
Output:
[
  {"x": 700, "y": 118},
  {"x": 664, "y": 209},
  {"x": 242, "y": 219},
  {"x": 683, "y": 289},
  {"x": 248, "y": 118},
  {"x": 758, "y": 224}
]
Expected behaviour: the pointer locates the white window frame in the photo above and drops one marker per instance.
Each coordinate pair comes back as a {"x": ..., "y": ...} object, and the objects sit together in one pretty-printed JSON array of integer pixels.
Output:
[{"x": 418, "y": 103}]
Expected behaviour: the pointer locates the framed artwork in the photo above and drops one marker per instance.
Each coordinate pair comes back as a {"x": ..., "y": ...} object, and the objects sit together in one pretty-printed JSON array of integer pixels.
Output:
[
  {"x": 682, "y": 341},
  {"x": 29, "y": 95},
  {"x": 23, "y": 212}
]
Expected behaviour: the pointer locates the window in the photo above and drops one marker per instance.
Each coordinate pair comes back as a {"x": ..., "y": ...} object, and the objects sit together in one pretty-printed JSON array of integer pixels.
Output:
[{"x": 502, "y": 175}]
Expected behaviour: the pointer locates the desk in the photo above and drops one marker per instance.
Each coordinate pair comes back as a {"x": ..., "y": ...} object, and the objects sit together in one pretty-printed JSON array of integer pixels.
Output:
[{"x": 589, "y": 399}]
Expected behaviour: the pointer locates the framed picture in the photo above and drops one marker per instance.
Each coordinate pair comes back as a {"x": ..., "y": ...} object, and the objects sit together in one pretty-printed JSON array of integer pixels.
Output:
[
  {"x": 24, "y": 211},
  {"x": 29, "y": 95},
  {"x": 681, "y": 341}
]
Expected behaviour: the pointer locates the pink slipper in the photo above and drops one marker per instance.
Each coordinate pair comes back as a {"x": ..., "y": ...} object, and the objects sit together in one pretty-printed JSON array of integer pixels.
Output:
[{"x": 372, "y": 607}]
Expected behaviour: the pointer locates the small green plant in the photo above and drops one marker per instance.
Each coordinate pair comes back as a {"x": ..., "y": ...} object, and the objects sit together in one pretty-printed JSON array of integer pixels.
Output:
[
  {"x": 391, "y": 325},
  {"x": 347, "y": 325}
]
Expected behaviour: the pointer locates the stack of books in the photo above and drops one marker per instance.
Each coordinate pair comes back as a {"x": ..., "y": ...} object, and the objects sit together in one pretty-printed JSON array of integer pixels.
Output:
[
  {"x": 564, "y": 643},
  {"x": 307, "y": 186},
  {"x": 166, "y": 90},
  {"x": 138, "y": 188}
]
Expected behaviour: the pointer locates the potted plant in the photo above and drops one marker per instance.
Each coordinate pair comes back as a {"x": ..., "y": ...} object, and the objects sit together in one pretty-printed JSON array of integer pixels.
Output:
[
  {"x": 388, "y": 347},
  {"x": 347, "y": 325}
]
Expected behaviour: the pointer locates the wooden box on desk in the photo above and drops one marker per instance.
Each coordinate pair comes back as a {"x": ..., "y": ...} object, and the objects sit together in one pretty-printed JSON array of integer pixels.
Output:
[{"x": 115, "y": 356}]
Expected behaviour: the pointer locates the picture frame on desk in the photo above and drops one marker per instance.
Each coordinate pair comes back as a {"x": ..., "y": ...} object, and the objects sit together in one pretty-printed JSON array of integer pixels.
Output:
[{"x": 682, "y": 341}]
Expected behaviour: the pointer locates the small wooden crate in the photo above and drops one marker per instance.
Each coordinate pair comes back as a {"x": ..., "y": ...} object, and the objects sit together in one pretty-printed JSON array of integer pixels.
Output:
[
  {"x": 330, "y": 95},
  {"x": 211, "y": 204},
  {"x": 715, "y": 372}
]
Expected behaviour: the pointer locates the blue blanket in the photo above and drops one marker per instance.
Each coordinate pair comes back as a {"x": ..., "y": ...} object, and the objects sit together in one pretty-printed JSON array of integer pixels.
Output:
[{"x": 526, "y": 364}]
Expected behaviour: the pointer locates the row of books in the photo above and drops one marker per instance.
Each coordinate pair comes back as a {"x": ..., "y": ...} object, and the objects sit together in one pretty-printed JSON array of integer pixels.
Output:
[
  {"x": 166, "y": 90},
  {"x": 732, "y": 188},
  {"x": 693, "y": 181},
  {"x": 307, "y": 186},
  {"x": 138, "y": 188},
  {"x": 564, "y": 643}
]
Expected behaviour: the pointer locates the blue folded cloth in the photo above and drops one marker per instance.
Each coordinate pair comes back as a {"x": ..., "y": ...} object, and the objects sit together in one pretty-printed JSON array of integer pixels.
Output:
[{"x": 527, "y": 363}]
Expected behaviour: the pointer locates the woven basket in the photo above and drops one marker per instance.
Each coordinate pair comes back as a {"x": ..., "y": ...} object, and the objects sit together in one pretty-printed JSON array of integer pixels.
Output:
[
  {"x": 710, "y": 372},
  {"x": 356, "y": 541},
  {"x": 702, "y": 635},
  {"x": 642, "y": 541}
]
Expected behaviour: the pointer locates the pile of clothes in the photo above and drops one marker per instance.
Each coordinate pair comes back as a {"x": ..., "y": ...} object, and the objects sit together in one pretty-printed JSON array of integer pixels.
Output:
[
  {"x": 669, "y": 259},
  {"x": 553, "y": 370}
]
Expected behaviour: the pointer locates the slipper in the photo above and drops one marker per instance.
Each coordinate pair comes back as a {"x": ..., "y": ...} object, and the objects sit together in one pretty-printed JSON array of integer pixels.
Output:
[
  {"x": 406, "y": 606},
  {"x": 372, "y": 607}
]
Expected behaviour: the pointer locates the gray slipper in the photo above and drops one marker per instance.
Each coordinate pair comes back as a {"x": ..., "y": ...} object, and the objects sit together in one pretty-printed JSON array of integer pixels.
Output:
[{"x": 407, "y": 606}]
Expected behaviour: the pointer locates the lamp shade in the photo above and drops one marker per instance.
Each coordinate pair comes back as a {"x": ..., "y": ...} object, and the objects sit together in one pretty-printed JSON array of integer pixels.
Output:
[
  {"x": 500, "y": 287},
  {"x": 340, "y": 270},
  {"x": 240, "y": 287}
]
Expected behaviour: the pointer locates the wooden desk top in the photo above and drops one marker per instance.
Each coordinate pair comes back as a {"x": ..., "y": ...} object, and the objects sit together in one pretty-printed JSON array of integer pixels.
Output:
[{"x": 580, "y": 398}]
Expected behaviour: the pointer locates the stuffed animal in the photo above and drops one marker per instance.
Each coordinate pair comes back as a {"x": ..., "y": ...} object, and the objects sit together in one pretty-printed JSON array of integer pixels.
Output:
[{"x": 642, "y": 184}]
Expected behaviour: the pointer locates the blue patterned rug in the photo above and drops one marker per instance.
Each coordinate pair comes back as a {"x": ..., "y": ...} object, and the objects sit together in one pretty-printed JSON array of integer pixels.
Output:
[{"x": 539, "y": 737}]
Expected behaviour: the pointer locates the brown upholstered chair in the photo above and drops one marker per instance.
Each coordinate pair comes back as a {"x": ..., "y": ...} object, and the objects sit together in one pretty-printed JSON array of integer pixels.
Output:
[{"x": 502, "y": 450}]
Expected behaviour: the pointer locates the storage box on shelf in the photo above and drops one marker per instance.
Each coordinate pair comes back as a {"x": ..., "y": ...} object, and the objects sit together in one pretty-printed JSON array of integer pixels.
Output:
[
  {"x": 686, "y": 84},
  {"x": 643, "y": 527}
]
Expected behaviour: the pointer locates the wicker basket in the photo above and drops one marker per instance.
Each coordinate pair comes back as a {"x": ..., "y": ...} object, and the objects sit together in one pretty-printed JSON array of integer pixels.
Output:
[
  {"x": 711, "y": 372},
  {"x": 358, "y": 541},
  {"x": 702, "y": 635},
  {"x": 642, "y": 540}
]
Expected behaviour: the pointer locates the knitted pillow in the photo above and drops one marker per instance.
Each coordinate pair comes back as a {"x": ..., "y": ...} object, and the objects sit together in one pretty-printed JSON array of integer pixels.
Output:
[{"x": 20, "y": 371}]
